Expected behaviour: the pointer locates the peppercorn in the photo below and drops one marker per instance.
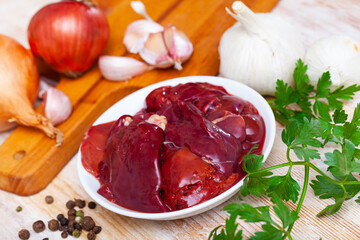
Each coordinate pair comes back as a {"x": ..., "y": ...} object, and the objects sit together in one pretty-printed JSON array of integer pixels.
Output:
[
  {"x": 87, "y": 223},
  {"x": 64, "y": 221},
  {"x": 64, "y": 234},
  {"x": 60, "y": 216},
  {"x": 70, "y": 231},
  {"x": 76, "y": 233},
  {"x": 45, "y": 238},
  {"x": 72, "y": 218},
  {"x": 78, "y": 219},
  {"x": 39, "y": 226},
  {"x": 97, "y": 229},
  {"x": 77, "y": 226},
  {"x": 72, "y": 212},
  {"x": 19, "y": 209},
  {"x": 71, "y": 223},
  {"x": 91, "y": 235},
  {"x": 80, "y": 203},
  {"x": 49, "y": 199},
  {"x": 63, "y": 228},
  {"x": 79, "y": 213},
  {"x": 70, "y": 204},
  {"x": 24, "y": 234},
  {"x": 53, "y": 225},
  {"x": 92, "y": 205}
]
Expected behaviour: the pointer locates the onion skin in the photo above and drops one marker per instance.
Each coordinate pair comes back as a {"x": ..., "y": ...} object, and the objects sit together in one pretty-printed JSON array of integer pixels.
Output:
[
  {"x": 69, "y": 36},
  {"x": 19, "y": 83}
]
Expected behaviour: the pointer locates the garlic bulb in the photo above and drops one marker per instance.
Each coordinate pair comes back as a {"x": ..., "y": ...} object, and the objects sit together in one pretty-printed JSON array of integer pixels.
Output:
[
  {"x": 337, "y": 54},
  {"x": 259, "y": 49}
]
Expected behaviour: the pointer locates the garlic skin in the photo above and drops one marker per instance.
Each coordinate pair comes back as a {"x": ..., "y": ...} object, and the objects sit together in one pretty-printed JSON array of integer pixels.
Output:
[
  {"x": 138, "y": 32},
  {"x": 57, "y": 106},
  {"x": 121, "y": 68},
  {"x": 178, "y": 44},
  {"x": 259, "y": 49},
  {"x": 155, "y": 51},
  {"x": 337, "y": 54}
]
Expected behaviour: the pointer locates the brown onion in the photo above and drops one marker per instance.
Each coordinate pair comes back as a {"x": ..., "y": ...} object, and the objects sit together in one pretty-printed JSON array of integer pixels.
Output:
[
  {"x": 69, "y": 36},
  {"x": 19, "y": 83}
]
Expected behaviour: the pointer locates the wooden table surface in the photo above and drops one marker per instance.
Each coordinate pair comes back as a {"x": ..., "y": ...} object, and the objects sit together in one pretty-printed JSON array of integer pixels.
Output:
[{"x": 315, "y": 18}]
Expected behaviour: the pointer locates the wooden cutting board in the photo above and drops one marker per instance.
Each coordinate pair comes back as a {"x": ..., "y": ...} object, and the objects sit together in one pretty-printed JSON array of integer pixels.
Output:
[{"x": 30, "y": 160}]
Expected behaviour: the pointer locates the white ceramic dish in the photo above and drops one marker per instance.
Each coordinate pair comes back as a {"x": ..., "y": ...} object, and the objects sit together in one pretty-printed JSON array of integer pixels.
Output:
[{"x": 136, "y": 101}]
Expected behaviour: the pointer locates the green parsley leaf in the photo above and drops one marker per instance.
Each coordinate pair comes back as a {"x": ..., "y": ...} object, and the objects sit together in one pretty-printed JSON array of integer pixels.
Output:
[
  {"x": 270, "y": 233},
  {"x": 323, "y": 85},
  {"x": 283, "y": 212},
  {"x": 284, "y": 187},
  {"x": 339, "y": 116}
]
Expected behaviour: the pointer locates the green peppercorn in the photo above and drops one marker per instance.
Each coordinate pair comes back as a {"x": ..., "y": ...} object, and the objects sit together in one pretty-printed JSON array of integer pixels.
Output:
[
  {"x": 79, "y": 213},
  {"x": 19, "y": 209},
  {"x": 76, "y": 233}
]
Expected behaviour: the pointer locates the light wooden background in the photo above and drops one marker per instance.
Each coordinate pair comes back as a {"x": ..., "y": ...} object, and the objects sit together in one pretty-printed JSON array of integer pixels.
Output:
[{"x": 315, "y": 18}]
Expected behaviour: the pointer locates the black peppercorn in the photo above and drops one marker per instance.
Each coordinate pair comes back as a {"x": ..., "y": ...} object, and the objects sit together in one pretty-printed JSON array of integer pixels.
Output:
[
  {"x": 53, "y": 225},
  {"x": 38, "y": 226},
  {"x": 80, "y": 203},
  {"x": 97, "y": 229},
  {"x": 60, "y": 216},
  {"x": 70, "y": 204},
  {"x": 64, "y": 221},
  {"x": 87, "y": 223},
  {"x": 45, "y": 238},
  {"x": 24, "y": 234},
  {"x": 70, "y": 231},
  {"x": 72, "y": 218},
  {"x": 63, "y": 228},
  {"x": 49, "y": 199},
  {"x": 91, "y": 235},
  {"x": 77, "y": 226},
  {"x": 72, "y": 212},
  {"x": 64, "y": 234},
  {"x": 92, "y": 205}
]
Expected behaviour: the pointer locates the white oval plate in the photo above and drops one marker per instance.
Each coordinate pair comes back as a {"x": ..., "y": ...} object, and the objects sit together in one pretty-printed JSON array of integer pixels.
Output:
[{"x": 136, "y": 101}]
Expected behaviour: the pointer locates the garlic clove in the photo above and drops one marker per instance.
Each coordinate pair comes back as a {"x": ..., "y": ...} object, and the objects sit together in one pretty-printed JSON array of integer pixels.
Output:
[
  {"x": 137, "y": 33},
  {"x": 57, "y": 106},
  {"x": 178, "y": 44},
  {"x": 155, "y": 51},
  {"x": 121, "y": 68}
]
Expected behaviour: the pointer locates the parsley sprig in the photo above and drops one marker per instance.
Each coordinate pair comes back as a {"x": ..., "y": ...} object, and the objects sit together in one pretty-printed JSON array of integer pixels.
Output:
[{"x": 312, "y": 119}]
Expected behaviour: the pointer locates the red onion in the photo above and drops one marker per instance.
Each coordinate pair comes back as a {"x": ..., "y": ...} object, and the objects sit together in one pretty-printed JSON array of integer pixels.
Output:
[{"x": 69, "y": 35}]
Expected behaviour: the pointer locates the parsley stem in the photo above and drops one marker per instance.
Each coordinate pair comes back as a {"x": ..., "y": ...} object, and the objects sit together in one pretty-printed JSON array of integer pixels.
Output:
[
  {"x": 303, "y": 193},
  {"x": 288, "y": 154}
]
